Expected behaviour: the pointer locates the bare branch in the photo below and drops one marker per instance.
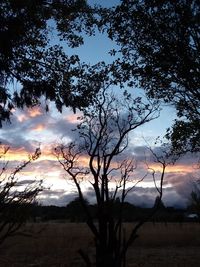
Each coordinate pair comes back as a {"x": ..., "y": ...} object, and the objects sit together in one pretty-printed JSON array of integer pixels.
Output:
[
  {"x": 14, "y": 201},
  {"x": 103, "y": 133}
]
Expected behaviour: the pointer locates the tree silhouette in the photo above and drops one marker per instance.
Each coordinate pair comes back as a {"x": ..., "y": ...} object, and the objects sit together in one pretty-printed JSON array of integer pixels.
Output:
[
  {"x": 30, "y": 65},
  {"x": 75, "y": 210},
  {"x": 14, "y": 202},
  {"x": 103, "y": 135},
  {"x": 160, "y": 46}
]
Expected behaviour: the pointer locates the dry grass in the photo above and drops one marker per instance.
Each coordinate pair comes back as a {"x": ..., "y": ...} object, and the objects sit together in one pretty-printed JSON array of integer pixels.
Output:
[{"x": 57, "y": 245}]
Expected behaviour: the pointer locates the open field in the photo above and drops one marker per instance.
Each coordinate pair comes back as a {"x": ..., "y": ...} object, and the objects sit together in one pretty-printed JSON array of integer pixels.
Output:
[{"x": 56, "y": 245}]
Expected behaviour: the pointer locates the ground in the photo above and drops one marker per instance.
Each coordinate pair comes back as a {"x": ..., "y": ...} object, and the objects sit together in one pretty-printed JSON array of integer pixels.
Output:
[{"x": 56, "y": 245}]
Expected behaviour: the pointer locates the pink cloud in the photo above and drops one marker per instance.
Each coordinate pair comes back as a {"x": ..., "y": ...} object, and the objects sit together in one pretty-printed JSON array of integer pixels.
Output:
[
  {"x": 72, "y": 118},
  {"x": 34, "y": 112},
  {"x": 39, "y": 128}
]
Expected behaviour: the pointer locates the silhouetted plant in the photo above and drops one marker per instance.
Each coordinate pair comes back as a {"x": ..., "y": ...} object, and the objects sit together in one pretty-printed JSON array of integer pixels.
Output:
[
  {"x": 160, "y": 46},
  {"x": 30, "y": 61},
  {"x": 103, "y": 135},
  {"x": 15, "y": 201}
]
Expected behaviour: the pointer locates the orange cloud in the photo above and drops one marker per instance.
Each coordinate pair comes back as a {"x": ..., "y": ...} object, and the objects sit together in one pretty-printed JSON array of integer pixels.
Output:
[
  {"x": 21, "y": 154},
  {"x": 34, "y": 112},
  {"x": 46, "y": 165},
  {"x": 72, "y": 118},
  {"x": 179, "y": 168},
  {"x": 30, "y": 113},
  {"x": 39, "y": 128}
]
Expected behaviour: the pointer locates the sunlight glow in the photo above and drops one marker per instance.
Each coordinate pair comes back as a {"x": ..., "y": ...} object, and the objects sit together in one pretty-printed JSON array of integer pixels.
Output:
[
  {"x": 178, "y": 168},
  {"x": 72, "y": 118},
  {"x": 39, "y": 128},
  {"x": 34, "y": 112}
]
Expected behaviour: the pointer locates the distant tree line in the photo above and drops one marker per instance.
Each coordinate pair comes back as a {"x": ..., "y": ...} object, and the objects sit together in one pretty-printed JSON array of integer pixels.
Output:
[{"x": 74, "y": 212}]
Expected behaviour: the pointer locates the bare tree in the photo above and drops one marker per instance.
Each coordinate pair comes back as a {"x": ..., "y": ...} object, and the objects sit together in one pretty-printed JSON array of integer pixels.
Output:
[
  {"x": 103, "y": 140},
  {"x": 14, "y": 196}
]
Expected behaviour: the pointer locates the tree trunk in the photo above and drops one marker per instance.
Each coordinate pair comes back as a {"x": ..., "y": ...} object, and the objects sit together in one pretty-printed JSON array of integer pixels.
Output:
[{"x": 108, "y": 247}]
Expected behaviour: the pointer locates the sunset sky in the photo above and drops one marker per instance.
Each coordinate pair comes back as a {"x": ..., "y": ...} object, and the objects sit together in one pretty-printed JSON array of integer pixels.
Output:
[{"x": 30, "y": 128}]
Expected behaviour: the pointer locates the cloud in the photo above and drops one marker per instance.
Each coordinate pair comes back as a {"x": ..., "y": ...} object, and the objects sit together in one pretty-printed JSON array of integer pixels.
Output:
[
  {"x": 56, "y": 197},
  {"x": 22, "y": 118},
  {"x": 39, "y": 127},
  {"x": 141, "y": 197},
  {"x": 62, "y": 128},
  {"x": 182, "y": 184},
  {"x": 35, "y": 112},
  {"x": 73, "y": 118},
  {"x": 31, "y": 127},
  {"x": 26, "y": 182},
  {"x": 172, "y": 198},
  {"x": 17, "y": 134}
]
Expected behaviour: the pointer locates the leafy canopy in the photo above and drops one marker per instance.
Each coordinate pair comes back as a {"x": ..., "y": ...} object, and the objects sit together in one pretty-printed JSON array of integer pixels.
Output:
[
  {"x": 160, "y": 44},
  {"x": 30, "y": 65}
]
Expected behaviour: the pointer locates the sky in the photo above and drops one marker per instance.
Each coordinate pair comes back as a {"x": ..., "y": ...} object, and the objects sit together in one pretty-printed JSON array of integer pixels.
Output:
[{"x": 34, "y": 127}]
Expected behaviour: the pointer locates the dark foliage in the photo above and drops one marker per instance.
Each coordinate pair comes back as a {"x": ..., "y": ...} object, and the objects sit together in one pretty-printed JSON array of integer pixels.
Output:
[
  {"x": 75, "y": 211},
  {"x": 31, "y": 66},
  {"x": 160, "y": 46},
  {"x": 15, "y": 201}
]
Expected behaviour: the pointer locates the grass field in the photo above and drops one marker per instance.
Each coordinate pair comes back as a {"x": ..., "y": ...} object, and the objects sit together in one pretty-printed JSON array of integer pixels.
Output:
[{"x": 56, "y": 245}]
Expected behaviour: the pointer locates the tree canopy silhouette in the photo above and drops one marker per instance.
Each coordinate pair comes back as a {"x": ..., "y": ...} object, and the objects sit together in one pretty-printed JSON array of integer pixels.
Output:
[
  {"x": 160, "y": 44},
  {"x": 31, "y": 65}
]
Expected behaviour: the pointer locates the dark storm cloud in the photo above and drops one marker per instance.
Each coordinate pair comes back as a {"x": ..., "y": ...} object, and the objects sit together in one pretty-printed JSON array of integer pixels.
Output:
[
  {"x": 25, "y": 182},
  {"x": 57, "y": 197},
  {"x": 16, "y": 141},
  {"x": 181, "y": 183},
  {"x": 63, "y": 128},
  {"x": 147, "y": 154},
  {"x": 189, "y": 159},
  {"x": 141, "y": 197},
  {"x": 143, "y": 153},
  {"x": 172, "y": 198}
]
